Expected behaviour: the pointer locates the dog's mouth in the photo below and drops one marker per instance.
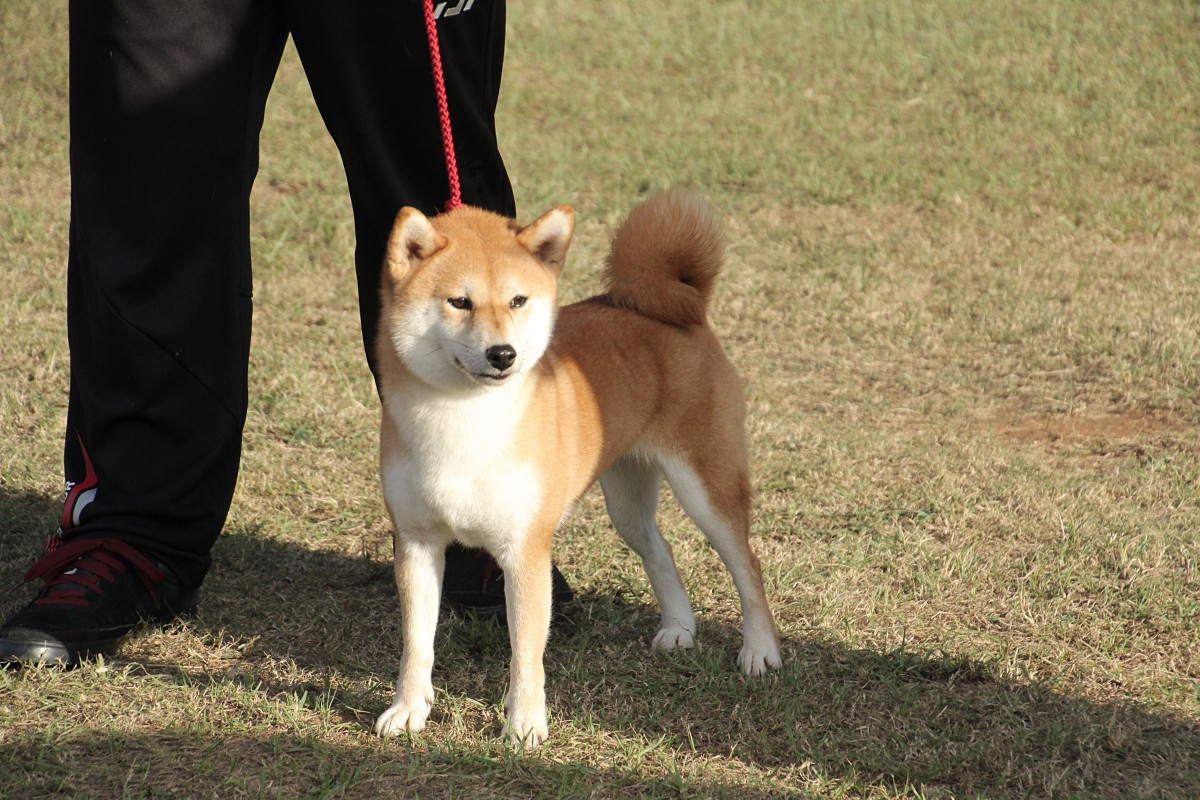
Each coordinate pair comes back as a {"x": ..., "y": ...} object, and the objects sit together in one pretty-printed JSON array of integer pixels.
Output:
[{"x": 490, "y": 378}]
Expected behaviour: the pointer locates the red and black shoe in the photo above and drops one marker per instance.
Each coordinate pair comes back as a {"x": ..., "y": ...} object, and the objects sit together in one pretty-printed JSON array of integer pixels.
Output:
[
  {"x": 474, "y": 583},
  {"x": 97, "y": 591}
]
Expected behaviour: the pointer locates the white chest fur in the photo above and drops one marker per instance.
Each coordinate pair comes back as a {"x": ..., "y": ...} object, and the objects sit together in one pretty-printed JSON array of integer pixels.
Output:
[{"x": 456, "y": 471}]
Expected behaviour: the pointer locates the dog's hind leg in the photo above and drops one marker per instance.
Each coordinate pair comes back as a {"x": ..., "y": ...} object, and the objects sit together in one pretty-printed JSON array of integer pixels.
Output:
[
  {"x": 717, "y": 498},
  {"x": 631, "y": 489}
]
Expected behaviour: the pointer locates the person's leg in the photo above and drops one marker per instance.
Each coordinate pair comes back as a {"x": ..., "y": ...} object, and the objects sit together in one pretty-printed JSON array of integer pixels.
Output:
[
  {"x": 369, "y": 66},
  {"x": 166, "y": 103}
]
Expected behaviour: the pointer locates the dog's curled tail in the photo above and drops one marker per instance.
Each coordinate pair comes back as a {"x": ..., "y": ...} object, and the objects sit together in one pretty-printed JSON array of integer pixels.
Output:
[{"x": 666, "y": 256}]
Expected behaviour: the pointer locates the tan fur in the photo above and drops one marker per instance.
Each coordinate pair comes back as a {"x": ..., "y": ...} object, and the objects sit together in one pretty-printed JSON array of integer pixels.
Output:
[
  {"x": 669, "y": 278},
  {"x": 632, "y": 387}
]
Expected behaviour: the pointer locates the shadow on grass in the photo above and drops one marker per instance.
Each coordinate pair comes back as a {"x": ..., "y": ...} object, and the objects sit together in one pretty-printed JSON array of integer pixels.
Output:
[
  {"x": 26, "y": 521},
  {"x": 854, "y": 719},
  {"x": 193, "y": 764}
]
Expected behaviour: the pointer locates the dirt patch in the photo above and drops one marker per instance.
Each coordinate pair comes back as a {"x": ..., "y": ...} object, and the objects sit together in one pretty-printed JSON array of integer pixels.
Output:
[{"x": 1094, "y": 432}]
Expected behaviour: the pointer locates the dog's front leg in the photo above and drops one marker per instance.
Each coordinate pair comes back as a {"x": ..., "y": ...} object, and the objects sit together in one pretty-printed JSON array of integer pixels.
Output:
[
  {"x": 527, "y": 590},
  {"x": 419, "y": 569}
]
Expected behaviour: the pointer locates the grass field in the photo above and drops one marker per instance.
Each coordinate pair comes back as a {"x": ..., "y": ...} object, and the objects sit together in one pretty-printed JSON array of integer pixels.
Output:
[{"x": 964, "y": 294}]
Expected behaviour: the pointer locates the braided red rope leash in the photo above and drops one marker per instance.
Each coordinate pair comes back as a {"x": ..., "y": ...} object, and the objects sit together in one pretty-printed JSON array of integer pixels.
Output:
[{"x": 439, "y": 87}]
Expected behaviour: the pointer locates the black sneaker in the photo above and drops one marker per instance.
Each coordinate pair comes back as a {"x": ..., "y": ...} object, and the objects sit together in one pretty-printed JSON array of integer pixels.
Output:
[
  {"x": 96, "y": 592},
  {"x": 474, "y": 583}
]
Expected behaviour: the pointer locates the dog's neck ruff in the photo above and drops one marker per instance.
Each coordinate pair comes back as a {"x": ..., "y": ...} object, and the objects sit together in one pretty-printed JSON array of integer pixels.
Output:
[
  {"x": 429, "y": 417},
  {"x": 460, "y": 468}
]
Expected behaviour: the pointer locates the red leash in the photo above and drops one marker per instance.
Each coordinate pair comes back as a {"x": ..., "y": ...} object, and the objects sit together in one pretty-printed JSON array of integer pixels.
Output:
[{"x": 439, "y": 87}]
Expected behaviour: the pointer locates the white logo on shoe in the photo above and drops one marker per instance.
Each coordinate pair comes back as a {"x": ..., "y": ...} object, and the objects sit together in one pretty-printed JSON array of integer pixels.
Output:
[{"x": 81, "y": 503}]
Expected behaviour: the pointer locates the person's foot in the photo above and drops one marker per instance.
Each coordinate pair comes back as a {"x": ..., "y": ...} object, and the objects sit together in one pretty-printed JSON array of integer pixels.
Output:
[
  {"x": 474, "y": 583},
  {"x": 97, "y": 591}
]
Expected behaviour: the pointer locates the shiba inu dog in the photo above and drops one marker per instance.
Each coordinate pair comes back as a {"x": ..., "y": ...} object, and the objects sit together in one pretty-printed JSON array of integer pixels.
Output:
[{"x": 500, "y": 410}]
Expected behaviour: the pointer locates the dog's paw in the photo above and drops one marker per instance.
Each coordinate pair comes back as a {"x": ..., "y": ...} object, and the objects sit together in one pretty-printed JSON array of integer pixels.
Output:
[
  {"x": 673, "y": 637},
  {"x": 526, "y": 731},
  {"x": 403, "y": 717},
  {"x": 757, "y": 658}
]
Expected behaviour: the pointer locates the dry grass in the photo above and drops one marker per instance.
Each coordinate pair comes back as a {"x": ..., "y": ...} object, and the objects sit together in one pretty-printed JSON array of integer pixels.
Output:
[{"x": 963, "y": 292}]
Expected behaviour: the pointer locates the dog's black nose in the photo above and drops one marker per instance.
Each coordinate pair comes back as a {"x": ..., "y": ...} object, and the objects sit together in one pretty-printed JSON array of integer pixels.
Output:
[{"x": 501, "y": 356}]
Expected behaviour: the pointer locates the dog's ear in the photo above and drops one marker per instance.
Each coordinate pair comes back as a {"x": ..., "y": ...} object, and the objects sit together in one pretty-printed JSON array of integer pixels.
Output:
[
  {"x": 413, "y": 239},
  {"x": 549, "y": 237}
]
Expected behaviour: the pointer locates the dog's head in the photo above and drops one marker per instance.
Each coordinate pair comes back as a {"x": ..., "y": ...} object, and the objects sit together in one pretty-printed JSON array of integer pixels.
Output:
[{"x": 469, "y": 297}]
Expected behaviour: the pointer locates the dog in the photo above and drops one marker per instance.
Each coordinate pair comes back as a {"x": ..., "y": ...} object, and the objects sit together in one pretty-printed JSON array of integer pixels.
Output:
[{"x": 500, "y": 410}]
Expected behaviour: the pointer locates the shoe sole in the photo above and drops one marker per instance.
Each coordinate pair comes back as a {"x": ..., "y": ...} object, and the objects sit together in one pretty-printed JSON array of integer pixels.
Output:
[
  {"x": 50, "y": 654},
  {"x": 35, "y": 652}
]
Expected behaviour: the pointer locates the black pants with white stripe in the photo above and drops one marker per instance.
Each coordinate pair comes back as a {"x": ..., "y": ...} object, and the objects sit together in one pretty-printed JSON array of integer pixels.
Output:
[{"x": 166, "y": 105}]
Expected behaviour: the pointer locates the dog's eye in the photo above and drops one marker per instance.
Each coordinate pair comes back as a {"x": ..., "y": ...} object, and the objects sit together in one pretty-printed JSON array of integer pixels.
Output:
[
  {"x": 518, "y": 301},
  {"x": 461, "y": 303}
]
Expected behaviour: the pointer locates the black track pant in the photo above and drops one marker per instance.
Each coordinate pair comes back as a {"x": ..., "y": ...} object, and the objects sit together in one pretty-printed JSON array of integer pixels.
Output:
[{"x": 166, "y": 105}]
